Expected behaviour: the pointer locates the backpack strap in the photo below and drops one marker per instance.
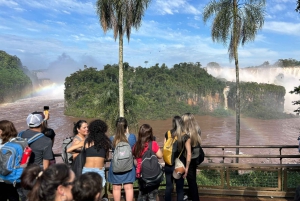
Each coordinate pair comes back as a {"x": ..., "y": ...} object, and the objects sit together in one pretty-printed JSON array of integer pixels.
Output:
[
  {"x": 20, "y": 134},
  {"x": 35, "y": 137},
  {"x": 78, "y": 138},
  {"x": 169, "y": 134},
  {"x": 150, "y": 145}
]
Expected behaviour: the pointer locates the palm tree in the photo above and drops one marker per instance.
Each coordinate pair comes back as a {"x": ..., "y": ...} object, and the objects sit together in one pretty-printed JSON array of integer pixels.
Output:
[
  {"x": 121, "y": 16},
  {"x": 236, "y": 22}
]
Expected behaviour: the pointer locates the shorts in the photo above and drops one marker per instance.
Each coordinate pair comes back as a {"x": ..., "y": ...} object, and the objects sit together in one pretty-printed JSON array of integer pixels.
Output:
[{"x": 101, "y": 172}]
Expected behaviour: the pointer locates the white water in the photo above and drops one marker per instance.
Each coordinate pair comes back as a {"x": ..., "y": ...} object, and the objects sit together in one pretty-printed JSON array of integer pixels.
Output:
[{"x": 286, "y": 77}]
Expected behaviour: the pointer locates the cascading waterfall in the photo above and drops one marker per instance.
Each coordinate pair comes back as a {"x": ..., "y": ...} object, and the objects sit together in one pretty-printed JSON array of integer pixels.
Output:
[{"x": 287, "y": 77}]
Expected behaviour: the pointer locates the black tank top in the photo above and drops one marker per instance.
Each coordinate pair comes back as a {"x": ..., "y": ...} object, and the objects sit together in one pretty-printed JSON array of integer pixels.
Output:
[{"x": 92, "y": 152}]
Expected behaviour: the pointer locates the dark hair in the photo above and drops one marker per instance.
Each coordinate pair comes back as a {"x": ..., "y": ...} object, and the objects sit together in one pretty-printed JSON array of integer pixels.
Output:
[
  {"x": 120, "y": 136},
  {"x": 97, "y": 135},
  {"x": 87, "y": 186},
  {"x": 78, "y": 125},
  {"x": 8, "y": 130},
  {"x": 43, "y": 184},
  {"x": 145, "y": 135}
]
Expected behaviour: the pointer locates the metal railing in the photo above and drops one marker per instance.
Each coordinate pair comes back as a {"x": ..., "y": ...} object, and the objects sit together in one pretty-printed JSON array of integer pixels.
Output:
[{"x": 258, "y": 178}]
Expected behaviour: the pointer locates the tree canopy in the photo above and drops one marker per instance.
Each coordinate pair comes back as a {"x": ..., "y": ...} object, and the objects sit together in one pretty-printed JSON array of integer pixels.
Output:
[
  {"x": 296, "y": 91},
  {"x": 13, "y": 81}
]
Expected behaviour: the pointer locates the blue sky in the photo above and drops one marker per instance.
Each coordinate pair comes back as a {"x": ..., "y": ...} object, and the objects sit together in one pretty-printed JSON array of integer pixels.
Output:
[{"x": 66, "y": 34}]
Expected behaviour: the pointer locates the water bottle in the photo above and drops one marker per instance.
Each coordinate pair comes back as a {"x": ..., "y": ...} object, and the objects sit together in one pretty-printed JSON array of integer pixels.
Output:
[{"x": 25, "y": 157}]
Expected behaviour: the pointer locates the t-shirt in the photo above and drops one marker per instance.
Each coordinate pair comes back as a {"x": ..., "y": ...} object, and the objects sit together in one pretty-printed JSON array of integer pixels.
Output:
[
  {"x": 155, "y": 148},
  {"x": 41, "y": 148}
]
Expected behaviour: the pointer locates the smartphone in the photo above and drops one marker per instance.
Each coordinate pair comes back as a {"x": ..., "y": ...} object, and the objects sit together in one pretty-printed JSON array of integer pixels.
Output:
[{"x": 46, "y": 110}]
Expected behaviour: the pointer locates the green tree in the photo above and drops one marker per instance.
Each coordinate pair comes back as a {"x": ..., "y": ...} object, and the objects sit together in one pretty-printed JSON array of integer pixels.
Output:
[
  {"x": 298, "y": 6},
  {"x": 296, "y": 91},
  {"x": 121, "y": 16},
  {"x": 236, "y": 22}
]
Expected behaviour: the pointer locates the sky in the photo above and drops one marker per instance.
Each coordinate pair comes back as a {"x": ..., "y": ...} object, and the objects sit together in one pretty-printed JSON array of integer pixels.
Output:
[{"x": 65, "y": 35}]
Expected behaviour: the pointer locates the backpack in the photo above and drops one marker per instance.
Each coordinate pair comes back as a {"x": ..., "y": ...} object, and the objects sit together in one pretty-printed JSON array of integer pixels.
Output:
[
  {"x": 10, "y": 157},
  {"x": 68, "y": 157},
  {"x": 122, "y": 159},
  {"x": 151, "y": 170},
  {"x": 197, "y": 154},
  {"x": 170, "y": 149}
]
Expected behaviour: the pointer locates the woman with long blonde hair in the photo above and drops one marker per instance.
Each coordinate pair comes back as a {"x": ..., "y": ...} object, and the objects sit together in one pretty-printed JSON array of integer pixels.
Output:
[{"x": 191, "y": 127}]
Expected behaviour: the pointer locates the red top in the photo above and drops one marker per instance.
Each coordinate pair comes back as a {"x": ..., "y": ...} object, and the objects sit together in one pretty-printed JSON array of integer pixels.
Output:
[{"x": 155, "y": 148}]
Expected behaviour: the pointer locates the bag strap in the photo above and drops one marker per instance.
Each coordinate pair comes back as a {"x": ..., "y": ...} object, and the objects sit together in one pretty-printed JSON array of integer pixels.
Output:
[
  {"x": 150, "y": 145},
  {"x": 20, "y": 134},
  {"x": 78, "y": 138},
  {"x": 35, "y": 137}
]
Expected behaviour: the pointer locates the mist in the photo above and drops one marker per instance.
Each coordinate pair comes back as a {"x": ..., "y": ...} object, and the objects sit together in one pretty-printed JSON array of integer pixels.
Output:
[{"x": 286, "y": 77}]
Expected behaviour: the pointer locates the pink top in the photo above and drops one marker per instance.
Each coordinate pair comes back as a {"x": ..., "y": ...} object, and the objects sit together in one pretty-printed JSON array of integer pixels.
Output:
[{"x": 155, "y": 148}]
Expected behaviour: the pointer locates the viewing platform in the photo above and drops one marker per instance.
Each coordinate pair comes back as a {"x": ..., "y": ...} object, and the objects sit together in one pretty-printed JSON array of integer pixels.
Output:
[{"x": 270, "y": 175}]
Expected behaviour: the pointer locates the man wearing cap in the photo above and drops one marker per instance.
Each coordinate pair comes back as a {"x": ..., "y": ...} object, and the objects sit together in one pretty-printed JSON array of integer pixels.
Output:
[{"x": 42, "y": 147}]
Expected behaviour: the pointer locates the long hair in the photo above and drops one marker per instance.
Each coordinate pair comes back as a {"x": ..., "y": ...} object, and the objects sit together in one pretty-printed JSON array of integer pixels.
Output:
[
  {"x": 43, "y": 184},
  {"x": 8, "y": 130},
  {"x": 97, "y": 135},
  {"x": 78, "y": 125},
  {"x": 192, "y": 128},
  {"x": 120, "y": 136},
  {"x": 177, "y": 130},
  {"x": 87, "y": 186},
  {"x": 145, "y": 135}
]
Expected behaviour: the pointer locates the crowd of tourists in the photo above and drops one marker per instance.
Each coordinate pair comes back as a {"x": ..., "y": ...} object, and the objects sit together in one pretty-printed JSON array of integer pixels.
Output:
[{"x": 131, "y": 158}]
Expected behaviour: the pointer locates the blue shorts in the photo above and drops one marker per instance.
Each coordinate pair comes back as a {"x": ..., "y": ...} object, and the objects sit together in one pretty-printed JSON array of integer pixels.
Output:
[{"x": 101, "y": 172}]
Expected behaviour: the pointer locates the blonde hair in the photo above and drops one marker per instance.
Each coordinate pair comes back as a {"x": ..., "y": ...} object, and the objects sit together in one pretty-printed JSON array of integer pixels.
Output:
[
  {"x": 191, "y": 127},
  {"x": 120, "y": 136}
]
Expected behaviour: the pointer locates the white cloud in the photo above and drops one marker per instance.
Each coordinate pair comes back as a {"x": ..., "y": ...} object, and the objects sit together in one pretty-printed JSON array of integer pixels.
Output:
[
  {"x": 175, "y": 6},
  {"x": 283, "y": 27},
  {"x": 8, "y": 3}
]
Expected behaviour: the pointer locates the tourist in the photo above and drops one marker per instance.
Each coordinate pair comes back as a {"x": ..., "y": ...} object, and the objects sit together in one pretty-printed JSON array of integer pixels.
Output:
[
  {"x": 7, "y": 132},
  {"x": 87, "y": 188},
  {"x": 125, "y": 179},
  {"x": 145, "y": 136},
  {"x": 49, "y": 132},
  {"x": 53, "y": 184},
  {"x": 80, "y": 131},
  {"x": 183, "y": 142},
  {"x": 42, "y": 147},
  {"x": 192, "y": 128},
  {"x": 97, "y": 146}
]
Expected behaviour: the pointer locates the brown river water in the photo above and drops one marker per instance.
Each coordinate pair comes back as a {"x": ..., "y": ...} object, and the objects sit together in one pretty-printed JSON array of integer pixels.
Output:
[{"x": 215, "y": 130}]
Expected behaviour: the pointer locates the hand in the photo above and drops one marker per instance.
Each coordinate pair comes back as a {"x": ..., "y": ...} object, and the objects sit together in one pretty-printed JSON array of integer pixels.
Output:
[{"x": 186, "y": 172}]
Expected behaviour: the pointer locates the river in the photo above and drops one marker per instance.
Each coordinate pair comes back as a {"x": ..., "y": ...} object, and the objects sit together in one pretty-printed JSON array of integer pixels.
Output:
[{"x": 215, "y": 130}]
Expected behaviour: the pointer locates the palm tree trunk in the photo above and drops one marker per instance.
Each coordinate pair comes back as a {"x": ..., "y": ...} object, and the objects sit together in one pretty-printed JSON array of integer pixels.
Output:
[
  {"x": 237, "y": 103},
  {"x": 121, "y": 88}
]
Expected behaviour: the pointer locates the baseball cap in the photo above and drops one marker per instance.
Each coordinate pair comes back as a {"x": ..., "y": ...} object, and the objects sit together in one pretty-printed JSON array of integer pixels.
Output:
[{"x": 34, "y": 119}]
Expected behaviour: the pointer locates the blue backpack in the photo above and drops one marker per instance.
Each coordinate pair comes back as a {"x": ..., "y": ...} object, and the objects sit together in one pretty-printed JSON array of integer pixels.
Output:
[{"x": 10, "y": 157}]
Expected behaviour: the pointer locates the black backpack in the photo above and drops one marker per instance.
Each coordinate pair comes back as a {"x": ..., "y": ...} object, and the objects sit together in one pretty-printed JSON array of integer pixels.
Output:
[{"x": 151, "y": 170}]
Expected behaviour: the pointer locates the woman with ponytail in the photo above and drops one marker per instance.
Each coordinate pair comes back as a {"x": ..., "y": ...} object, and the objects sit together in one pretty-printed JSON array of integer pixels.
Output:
[
  {"x": 125, "y": 179},
  {"x": 53, "y": 184}
]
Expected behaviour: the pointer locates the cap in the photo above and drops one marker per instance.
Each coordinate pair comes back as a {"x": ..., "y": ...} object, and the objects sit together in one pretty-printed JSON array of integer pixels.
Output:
[{"x": 34, "y": 120}]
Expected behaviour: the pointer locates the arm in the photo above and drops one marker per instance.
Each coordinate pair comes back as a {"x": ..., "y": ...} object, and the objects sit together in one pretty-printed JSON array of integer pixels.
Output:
[
  {"x": 188, "y": 156},
  {"x": 76, "y": 145},
  {"x": 159, "y": 154},
  {"x": 45, "y": 164}
]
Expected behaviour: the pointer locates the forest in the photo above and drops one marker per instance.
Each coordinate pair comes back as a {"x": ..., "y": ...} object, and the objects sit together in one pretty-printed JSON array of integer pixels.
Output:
[
  {"x": 14, "y": 83},
  {"x": 160, "y": 92}
]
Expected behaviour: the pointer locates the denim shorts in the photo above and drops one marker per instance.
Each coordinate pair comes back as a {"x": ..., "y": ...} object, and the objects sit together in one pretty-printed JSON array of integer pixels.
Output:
[{"x": 101, "y": 172}]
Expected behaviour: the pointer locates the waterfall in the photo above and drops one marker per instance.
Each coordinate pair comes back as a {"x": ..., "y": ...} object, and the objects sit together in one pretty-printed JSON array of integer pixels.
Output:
[{"x": 287, "y": 77}]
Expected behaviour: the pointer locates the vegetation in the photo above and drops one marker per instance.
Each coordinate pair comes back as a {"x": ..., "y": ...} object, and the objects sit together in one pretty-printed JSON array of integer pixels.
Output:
[
  {"x": 159, "y": 92},
  {"x": 237, "y": 22},
  {"x": 13, "y": 81},
  {"x": 298, "y": 6},
  {"x": 287, "y": 62},
  {"x": 296, "y": 91},
  {"x": 121, "y": 15}
]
